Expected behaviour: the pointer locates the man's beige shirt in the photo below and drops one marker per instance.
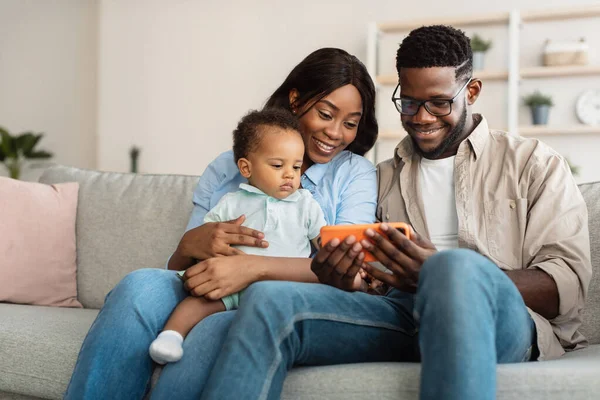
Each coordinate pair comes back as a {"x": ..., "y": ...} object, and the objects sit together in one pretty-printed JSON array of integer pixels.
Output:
[{"x": 518, "y": 205}]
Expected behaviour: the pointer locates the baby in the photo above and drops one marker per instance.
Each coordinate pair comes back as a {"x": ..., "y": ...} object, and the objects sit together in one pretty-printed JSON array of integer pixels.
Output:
[{"x": 269, "y": 150}]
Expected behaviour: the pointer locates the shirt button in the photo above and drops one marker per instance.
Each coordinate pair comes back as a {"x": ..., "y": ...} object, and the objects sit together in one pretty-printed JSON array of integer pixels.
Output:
[
  {"x": 512, "y": 204},
  {"x": 387, "y": 217}
]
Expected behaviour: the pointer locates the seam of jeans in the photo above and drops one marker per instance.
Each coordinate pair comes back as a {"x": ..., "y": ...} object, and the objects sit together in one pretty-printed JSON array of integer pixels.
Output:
[
  {"x": 79, "y": 353},
  {"x": 316, "y": 316}
]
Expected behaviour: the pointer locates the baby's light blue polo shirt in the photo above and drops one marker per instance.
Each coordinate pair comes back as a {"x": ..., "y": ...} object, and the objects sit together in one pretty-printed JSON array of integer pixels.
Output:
[
  {"x": 345, "y": 188},
  {"x": 288, "y": 224}
]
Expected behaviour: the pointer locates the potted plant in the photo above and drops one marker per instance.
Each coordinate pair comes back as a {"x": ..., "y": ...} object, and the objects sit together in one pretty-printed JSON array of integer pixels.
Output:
[
  {"x": 15, "y": 150},
  {"x": 479, "y": 48},
  {"x": 540, "y": 107}
]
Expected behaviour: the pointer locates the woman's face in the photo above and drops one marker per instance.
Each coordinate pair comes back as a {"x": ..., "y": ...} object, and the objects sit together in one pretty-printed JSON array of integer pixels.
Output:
[{"x": 330, "y": 125}]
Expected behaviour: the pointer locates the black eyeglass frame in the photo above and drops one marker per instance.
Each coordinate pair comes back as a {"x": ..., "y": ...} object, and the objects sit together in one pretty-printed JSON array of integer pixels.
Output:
[{"x": 425, "y": 102}]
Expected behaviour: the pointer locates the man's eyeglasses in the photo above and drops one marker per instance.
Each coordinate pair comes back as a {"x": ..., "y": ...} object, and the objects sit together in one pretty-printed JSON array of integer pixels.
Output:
[{"x": 435, "y": 107}]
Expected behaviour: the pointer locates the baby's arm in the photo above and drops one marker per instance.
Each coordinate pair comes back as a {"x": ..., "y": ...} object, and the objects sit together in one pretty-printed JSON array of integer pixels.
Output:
[
  {"x": 314, "y": 222},
  {"x": 222, "y": 211}
]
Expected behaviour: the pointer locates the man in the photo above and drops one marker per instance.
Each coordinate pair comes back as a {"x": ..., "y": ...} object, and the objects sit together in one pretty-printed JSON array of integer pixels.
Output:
[{"x": 496, "y": 270}]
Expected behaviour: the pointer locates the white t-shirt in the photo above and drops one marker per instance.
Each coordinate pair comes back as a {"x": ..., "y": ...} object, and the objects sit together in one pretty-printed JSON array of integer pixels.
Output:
[{"x": 436, "y": 178}]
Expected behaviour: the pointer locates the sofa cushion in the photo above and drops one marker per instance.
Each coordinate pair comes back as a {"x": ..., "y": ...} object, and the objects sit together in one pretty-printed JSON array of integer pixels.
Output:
[
  {"x": 39, "y": 347},
  {"x": 37, "y": 243},
  {"x": 124, "y": 222},
  {"x": 573, "y": 376},
  {"x": 591, "y": 312}
]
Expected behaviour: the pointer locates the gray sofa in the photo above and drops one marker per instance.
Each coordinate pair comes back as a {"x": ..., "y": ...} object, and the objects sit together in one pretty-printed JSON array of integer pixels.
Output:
[{"x": 126, "y": 222}]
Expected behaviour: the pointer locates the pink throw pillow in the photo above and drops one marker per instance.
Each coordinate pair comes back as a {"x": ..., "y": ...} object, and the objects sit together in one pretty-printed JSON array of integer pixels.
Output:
[{"x": 37, "y": 243}]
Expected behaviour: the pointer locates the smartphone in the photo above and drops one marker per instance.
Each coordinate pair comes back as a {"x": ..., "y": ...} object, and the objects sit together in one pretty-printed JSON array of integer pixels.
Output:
[{"x": 341, "y": 232}]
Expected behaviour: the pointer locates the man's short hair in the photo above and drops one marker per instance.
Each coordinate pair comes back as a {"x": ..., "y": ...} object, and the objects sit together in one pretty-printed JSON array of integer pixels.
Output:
[
  {"x": 248, "y": 134},
  {"x": 436, "y": 46}
]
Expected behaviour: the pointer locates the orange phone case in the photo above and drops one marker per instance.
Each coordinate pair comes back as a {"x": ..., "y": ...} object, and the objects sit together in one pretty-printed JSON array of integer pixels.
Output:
[{"x": 343, "y": 231}]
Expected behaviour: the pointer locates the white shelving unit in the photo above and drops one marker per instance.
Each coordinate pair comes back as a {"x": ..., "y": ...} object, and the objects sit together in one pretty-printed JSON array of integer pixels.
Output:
[{"x": 513, "y": 75}]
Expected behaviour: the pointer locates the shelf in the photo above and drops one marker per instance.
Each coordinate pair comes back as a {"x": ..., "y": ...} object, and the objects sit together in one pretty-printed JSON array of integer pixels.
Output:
[
  {"x": 529, "y": 72},
  {"x": 484, "y": 19},
  {"x": 533, "y": 130},
  {"x": 561, "y": 14},
  {"x": 484, "y": 75},
  {"x": 549, "y": 130},
  {"x": 571, "y": 70},
  {"x": 491, "y": 75},
  {"x": 494, "y": 18}
]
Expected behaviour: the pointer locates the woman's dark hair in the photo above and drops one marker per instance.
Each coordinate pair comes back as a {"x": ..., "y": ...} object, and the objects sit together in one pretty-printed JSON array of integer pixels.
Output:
[
  {"x": 322, "y": 72},
  {"x": 248, "y": 134}
]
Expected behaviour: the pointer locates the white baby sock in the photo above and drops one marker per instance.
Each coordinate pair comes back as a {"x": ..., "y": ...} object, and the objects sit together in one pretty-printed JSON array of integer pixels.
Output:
[{"x": 167, "y": 347}]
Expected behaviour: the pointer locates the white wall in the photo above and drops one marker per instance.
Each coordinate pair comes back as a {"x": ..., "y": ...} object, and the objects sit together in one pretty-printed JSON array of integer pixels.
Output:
[
  {"x": 48, "y": 75},
  {"x": 175, "y": 76}
]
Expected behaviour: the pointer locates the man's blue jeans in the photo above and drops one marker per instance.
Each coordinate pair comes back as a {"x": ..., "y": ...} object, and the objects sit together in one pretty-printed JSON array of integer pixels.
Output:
[{"x": 466, "y": 317}]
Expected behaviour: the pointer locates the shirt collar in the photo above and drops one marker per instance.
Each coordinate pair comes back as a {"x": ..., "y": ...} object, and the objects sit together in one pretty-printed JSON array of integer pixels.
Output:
[
  {"x": 292, "y": 198},
  {"x": 477, "y": 139},
  {"x": 316, "y": 172},
  {"x": 480, "y": 135}
]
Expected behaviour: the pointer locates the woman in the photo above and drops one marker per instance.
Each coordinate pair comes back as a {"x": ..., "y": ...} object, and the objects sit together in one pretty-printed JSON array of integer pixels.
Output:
[{"x": 333, "y": 96}]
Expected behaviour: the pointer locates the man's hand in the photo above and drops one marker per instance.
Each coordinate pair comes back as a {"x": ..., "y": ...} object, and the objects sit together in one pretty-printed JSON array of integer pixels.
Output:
[
  {"x": 215, "y": 239},
  {"x": 403, "y": 256},
  {"x": 337, "y": 264}
]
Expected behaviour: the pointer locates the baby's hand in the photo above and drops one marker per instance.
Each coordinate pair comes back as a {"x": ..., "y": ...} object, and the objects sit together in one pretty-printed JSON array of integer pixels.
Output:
[
  {"x": 375, "y": 286},
  {"x": 364, "y": 275}
]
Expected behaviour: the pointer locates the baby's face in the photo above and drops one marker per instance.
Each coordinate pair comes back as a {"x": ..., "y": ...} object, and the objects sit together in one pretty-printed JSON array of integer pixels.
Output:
[{"x": 276, "y": 163}]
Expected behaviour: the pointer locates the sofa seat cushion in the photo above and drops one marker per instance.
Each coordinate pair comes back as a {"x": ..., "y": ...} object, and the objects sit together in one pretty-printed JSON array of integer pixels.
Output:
[
  {"x": 574, "y": 376},
  {"x": 39, "y": 347}
]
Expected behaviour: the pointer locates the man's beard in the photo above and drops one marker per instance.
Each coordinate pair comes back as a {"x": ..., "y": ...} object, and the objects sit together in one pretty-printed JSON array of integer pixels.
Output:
[{"x": 448, "y": 140}]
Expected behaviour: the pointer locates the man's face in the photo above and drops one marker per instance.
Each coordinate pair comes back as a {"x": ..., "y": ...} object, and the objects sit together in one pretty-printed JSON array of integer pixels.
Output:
[{"x": 435, "y": 137}]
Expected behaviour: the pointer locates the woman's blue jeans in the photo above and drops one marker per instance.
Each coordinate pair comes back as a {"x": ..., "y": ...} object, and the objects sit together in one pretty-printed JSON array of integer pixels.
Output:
[{"x": 466, "y": 317}]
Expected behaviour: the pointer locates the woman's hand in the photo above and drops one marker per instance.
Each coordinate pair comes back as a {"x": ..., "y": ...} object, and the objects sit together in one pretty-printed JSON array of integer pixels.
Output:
[
  {"x": 400, "y": 255},
  {"x": 218, "y": 277},
  {"x": 338, "y": 264},
  {"x": 215, "y": 239}
]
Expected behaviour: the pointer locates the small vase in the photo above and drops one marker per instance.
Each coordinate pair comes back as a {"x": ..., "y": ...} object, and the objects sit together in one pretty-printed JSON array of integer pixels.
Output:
[
  {"x": 134, "y": 154},
  {"x": 539, "y": 114},
  {"x": 478, "y": 60}
]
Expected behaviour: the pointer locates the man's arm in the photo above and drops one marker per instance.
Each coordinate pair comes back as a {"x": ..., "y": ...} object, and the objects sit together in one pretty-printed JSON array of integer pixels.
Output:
[
  {"x": 538, "y": 289},
  {"x": 556, "y": 249}
]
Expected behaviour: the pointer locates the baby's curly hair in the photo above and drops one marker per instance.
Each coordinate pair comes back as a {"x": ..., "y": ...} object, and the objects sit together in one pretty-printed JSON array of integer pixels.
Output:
[
  {"x": 436, "y": 46},
  {"x": 248, "y": 134}
]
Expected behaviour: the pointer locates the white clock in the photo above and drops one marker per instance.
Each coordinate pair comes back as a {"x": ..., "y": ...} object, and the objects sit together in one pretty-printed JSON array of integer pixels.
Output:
[{"x": 588, "y": 107}]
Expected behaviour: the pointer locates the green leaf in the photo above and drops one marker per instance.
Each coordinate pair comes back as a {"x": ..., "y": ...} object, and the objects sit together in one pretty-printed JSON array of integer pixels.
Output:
[
  {"x": 39, "y": 155},
  {"x": 8, "y": 145},
  {"x": 28, "y": 142}
]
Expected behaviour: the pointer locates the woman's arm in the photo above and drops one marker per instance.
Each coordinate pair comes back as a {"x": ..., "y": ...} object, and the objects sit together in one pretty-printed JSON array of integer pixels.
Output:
[{"x": 221, "y": 276}]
